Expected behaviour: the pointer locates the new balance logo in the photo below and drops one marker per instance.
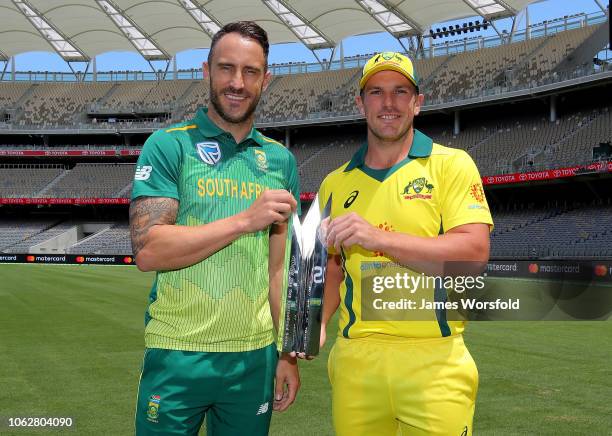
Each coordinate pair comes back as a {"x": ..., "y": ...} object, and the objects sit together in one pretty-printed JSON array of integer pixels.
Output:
[
  {"x": 143, "y": 172},
  {"x": 263, "y": 409}
]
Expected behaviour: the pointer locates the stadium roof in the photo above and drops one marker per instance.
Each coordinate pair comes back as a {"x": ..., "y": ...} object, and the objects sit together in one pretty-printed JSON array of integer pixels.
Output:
[{"x": 78, "y": 30}]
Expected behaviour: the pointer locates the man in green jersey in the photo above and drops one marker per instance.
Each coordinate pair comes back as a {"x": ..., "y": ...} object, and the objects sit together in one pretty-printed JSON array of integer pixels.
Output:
[{"x": 209, "y": 211}]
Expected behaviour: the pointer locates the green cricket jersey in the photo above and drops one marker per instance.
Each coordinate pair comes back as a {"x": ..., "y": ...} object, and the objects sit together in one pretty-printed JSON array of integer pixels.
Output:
[{"x": 221, "y": 303}]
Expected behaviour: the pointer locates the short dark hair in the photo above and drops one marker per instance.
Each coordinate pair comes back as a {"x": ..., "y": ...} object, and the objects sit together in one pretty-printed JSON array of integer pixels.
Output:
[{"x": 246, "y": 29}]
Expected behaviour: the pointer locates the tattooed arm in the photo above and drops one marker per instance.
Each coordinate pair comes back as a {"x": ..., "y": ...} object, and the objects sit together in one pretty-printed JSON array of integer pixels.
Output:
[{"x": 159, "y": 244}]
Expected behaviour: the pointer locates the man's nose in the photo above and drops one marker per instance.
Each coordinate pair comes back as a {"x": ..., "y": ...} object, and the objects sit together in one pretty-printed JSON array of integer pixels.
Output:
[
  {"x": 388, "y": 99},
  {"x": 237, "y": 81}
]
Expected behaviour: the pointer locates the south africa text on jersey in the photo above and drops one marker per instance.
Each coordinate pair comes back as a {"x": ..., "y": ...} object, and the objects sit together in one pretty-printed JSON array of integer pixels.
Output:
[{"x": 229, "y": 188}]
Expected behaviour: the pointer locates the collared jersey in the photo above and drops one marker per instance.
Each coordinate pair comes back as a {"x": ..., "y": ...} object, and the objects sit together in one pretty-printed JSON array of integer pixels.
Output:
[
  {"x": 434, "y": 189},
  {"x": 220, "y": 303}
]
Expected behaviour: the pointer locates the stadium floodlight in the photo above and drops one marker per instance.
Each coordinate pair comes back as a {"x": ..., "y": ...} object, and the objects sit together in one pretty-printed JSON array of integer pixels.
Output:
[
  {"x": 394, "y": 21},
  {"x": 305, "y": 31},
  {"x": 207, "y": 22},
  {"x": 137, "y": 37},
  {"x": 60, "y": 43},
  {"x": 456, "y": 29},
  {"x": 491, "y": 9}
]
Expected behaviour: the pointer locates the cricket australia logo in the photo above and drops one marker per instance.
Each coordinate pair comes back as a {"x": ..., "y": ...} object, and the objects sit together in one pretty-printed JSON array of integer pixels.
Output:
[
  {"x": 417, "y": 186},
  {"x": 209, "y": 152}
]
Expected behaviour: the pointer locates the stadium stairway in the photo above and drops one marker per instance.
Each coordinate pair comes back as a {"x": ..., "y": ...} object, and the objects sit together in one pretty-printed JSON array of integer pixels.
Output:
[
  {"x": 583, "y": 54},
  {"x": 13, "y": 232},
  {"x": 55, "y": 240},
  {"x": 19, "y": 104},
  {"x": 535, "y": 219},
  {"x": 181, "y": 102},
  {"x": 264, "y": 97},
  {"x": 51, "y": 184},
  {"x": 473, "y": 147},
  {"x": 521, "y": 67},
  {"x": 125, "y": 190},
  {"x": 74, "y": 248},
  {"x": 314, "y": 156},
  {"x": 102, "y": 101},
  {"x": 586, "y": 121},
  {"x": 428, "y": 80},
  {"x": 34, "y": 238}
]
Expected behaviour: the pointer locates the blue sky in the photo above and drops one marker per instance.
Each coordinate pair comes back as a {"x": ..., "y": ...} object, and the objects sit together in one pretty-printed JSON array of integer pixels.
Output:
[{"x": 45, "y": 61}]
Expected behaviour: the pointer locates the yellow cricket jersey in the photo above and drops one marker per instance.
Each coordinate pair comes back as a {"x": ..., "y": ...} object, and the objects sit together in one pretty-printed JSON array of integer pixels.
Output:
[{"x": 433, "y": 190}]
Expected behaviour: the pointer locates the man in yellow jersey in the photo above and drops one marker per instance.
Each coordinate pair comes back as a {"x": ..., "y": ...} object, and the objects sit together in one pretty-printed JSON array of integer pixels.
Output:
[
  {"x": 400, "y": 199},
  {"x": 209, "y": 211}
]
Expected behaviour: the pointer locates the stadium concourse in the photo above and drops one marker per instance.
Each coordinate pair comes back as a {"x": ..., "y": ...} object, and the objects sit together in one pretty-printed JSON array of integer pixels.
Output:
[{"x": 531, "y": 108}]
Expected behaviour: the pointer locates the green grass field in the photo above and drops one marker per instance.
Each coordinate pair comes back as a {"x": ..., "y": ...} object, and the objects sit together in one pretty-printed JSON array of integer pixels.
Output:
[{"x": 72, "y": 342}]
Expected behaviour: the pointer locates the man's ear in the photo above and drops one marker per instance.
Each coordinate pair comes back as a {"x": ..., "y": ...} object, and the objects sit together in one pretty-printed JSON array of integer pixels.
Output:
[
  {"x": 359, "y": 103},
  {"x": 267, "y": 79},
  {"x": 206, "y": 70},
  {"x": 420, "y": 98}
]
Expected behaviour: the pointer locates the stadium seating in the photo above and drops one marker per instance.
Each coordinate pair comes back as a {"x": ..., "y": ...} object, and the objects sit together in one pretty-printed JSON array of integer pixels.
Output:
[
  {"x": 310, "y": 95},
  {"x": 14, "y": 232},
  {"x": 333, "y": 154},
  {"x": 92, "y": 180},
  {"x": 583, "y": 231},
  {"x": 466, "y": 74},
  {"x": 558, "y": 47},
  {"x": 25, "y": 244},
  {"x": 57, "y": 104},
  {"x": 113, "y": 240},
  {"x": 145, "y": 96},
  {"x": 196, "y": 96},
  {"x": 26, "y": 181},
  {"x": 529, "y": 62},
  {"x": 10, "y": 93},
  {"x": 526, "y": 143}
]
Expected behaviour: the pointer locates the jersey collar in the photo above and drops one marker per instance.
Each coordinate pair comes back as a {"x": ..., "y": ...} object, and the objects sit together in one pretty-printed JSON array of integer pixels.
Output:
[
  {"x": 421, "y": 147},
  {"x": 211, "y": 130}
]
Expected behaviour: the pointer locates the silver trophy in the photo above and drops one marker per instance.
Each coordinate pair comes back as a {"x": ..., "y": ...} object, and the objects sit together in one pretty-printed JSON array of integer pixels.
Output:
[{"x": 306, "y": 281}]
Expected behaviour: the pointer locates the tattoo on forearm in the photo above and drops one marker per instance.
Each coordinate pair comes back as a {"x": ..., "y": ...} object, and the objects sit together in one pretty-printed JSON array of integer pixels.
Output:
[{"x": 145, "y": 212}]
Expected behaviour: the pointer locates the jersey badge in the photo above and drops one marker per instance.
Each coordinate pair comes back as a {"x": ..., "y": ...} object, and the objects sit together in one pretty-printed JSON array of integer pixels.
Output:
[
  {"x": 153, "y": 408},
  {"x": 420, "y": 187},
  {"x": 261, "y": 160}
]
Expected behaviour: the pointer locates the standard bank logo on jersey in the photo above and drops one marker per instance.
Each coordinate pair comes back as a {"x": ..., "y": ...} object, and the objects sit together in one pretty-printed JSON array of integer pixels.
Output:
[
  {"x": 209, "y": 152},
  {"x": 143, "y": 172}
]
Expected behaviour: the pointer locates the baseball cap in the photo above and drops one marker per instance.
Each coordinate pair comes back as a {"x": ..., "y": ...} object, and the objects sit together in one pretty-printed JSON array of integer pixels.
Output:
[{"x": 389, "y": 60}]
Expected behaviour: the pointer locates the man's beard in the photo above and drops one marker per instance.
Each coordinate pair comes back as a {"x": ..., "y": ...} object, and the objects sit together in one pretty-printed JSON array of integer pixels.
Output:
[
  {"x": 402, "y": 134},
  {"x": 215, "y": 101}
]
